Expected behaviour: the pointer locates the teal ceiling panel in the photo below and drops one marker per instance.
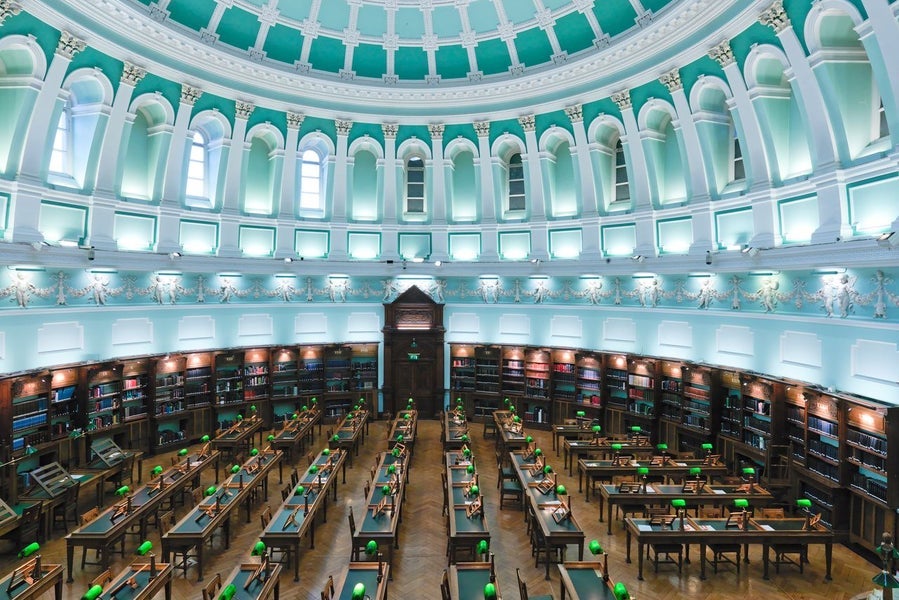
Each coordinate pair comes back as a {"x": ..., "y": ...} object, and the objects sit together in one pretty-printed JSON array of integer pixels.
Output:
[
  {"x": 533, "y": 47},
  {"x": 558, "y": 118},
  {"x": 370, "y": 60},
  {"x": 482, "y": 16},
  {"x": 519, "y": 12},
  {"x": 372, "y": 21},
  {"x": 553, "y": 4},
  {"x": 25, "y": 24},
  {"x": 591, "y": 110},
  {"x": 261, "y": 114},
  {"x": 409, "y": 23},
  {"x": 283, "y": 44},
  {"x": 702, "y": 66},
  {"x": 574, "y": 33},
  {"x": 411, "y": 63},
  {"x": 493, "y": 56},
  {"x": 334, "y": 15},
  {"x": 325, "y": 126},
  {"x": 238, "y": 28},
  {"x": 452, "y": 62},
  {"x": 193, "y": 14},
  {"x": 446, "y": 21},
  {"x": 651, "y": 89},
  {"x": 326, "y": 54},
  {"x": 413, "y": 131},
  {"x": 459, "y": 131},
  {"x": 296, "y": 10},
  {"x": 372, "y": 130},
  {"x": 615, "y": 16},
  {"x": 754, "y": 34},
  {"x": 655, "y": 5}
]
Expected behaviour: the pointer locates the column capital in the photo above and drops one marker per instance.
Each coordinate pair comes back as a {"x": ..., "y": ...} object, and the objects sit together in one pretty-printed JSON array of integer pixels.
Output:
[
  {"x": 390, "y": 130},
  {"x": 775, "y": 17},
  {"x": 671, "y": 80},
  {"x": 8, "y": 8},
  {"x": 575, "y": 113},
  {"x": 243, "y": 110},
  {"x": 482, "y": 128},
  {"x": 190, "y": 95},
  {"x": 622, "y": 99},
  {"x": 132, "y": 74},
  {"x": 68, "y": 45},
  {"x": 295, "y": 119},
  {"x": 436, "y": 130},
  {"x": 723, "y": 54},
  {"x": 528, "y": 122},
  {"x": 343, "y": 126}
]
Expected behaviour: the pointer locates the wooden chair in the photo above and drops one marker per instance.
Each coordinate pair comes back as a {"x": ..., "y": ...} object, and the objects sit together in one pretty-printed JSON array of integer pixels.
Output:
[
  {"x": 444, "y": 586},
  {"x": 67, "y": 511},
  {"x": 523, "y": 589},
  {"x": 356, "y": 547},
  {"x": 211, "y": 590},
  {"x": 294, "y": 477},
  {"x": 328, "y": 590},
  {"x": 511, "y": 489},
  {"x": 29, "y": 529},
  {"x": 720, "y": 554},
  {"x": 504, "y": 473},
  {"x": 771, "y": 513},
  {"x": 102, "y": 579},
  {"x": 669, "y": 550},
  {"x": 84, "y": 520}
]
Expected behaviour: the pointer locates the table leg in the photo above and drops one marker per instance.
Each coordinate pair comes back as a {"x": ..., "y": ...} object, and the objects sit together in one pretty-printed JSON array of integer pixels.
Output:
[
  {"x": 609, "y": 515},
  {"x": 168, "y": 588},
  {"x": 57, "y": 589},
  {"x": 701, "y": 560},
  {"x": 628, "y": 559},
  {"x": 200, "y": 558},
  {"x": 277, "y": 590},
  {"x": 548, "y": 550},
  {"x": 765, "y": 557},
  {"x": 828, "y": 557},
  {"x": 580, "y": 483},
  {"x": 70, "y": 557},
  {"x": 641, "y": 551}
]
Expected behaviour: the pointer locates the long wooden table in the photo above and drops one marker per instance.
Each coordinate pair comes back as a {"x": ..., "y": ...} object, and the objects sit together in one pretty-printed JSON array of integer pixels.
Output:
[
  {"x": 403, "y": 429},
  {"x": 137, "y": 582},
  {"x": 464, "y": 531},
  {"x": 350, "y": 433},
  {"x": 568, "y": 432},
  {"x": 467, "y": 580},
  {"x": 557, "y": 534},
  {"x": 108, "y": 455},
  {"x": 661, "y": 494},
  {"x": 11, "y": 516},
  {"x": 109, "y": 529},
  {"x": 295, "y": 517},
  {"x": 455, "y": 430},
  {"x": 374, "y": 576},
  {"x": 574, "y": 450},
  {"x": 296, "y": 433},
  {"x": 267, "y": 585},
  {"x": 702, "y": 532},
  {"x": 50, "y": 576},
  {"x": 50, "y": 484},
  {"x": 239, "y": 436},
  {"x": 587, "y": 580},
  {"x": 604, "y": 470},
  {"x": 510, "y": 435},
  {"x": 198, "y": 525},
  {"x": 383, "y": 527}
]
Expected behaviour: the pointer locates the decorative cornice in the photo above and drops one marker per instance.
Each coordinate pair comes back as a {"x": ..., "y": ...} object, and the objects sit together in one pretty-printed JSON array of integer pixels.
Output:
[
  {"x": 575, "y": 113},
  {"x": 622, "y": 99},
  {"x": 132, "y": 74},
  {"x": 295, "y": 119},
  {"x": 244, "y": 109},
  {"x": 190, "y": 95},
  {"x": 436, "y": 130},
  {"x": 723, "y": 54},
  {"x": 775, "y": 17},
  {"x": 8, "y": 8},
  {"x": 482, "y": 128},
  {"x": 671, "y": 80},
  {"x": 343, "y": 126},
  {"x": 389, "y": 129},
  {"x": 68, "y": 45},
  {"x": 528, "y": 122}
]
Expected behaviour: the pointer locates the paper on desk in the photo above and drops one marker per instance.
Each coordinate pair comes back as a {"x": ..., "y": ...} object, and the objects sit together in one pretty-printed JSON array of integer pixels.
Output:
[
  {"x": 644, "y": 527},
  {"x": 681, "y": 464},
  {"x": 767, "y": 528},
  {"x": 719, "y": 491}
]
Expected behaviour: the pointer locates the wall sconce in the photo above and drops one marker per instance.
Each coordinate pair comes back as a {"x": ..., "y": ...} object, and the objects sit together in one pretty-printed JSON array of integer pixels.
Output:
[
  {"x": 888, "y": 240},
  {"x": 638, "y": 258},
  {"x": 750, "y": 250}
]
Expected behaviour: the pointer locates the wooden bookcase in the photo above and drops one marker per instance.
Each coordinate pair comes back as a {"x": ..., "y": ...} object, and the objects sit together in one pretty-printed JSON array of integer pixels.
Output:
[
  {"x": 257, "y": 383},
  {"x": 642, "y": 408},
  {"x": 513, "y": 379},
  {"x": 701, "y": 411},
  {"x": 671, "y": 402},
  {"x": 169, "y": 414},
  {"x": 285, "y": 383}
]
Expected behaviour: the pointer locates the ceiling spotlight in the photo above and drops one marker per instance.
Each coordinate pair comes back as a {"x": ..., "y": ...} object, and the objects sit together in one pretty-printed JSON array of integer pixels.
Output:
[
  {"x": 437, "y": 263},
  {"x": 708, "y": 257},
  {"x": 750, "y": 250},
  {"x": 535, "y": 260},
  {"x": 638, "y": 258},
  {"x": 174, "y": 255},
  {"x": 888, "y": 240},
  {"x": 288, "y": 259}
]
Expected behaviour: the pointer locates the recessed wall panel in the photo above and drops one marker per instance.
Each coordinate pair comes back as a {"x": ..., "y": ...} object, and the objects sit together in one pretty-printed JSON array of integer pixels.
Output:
[
  {"x": 201, "y": 327},
  {"x": 678, "y": 334},
  {"x": 59, "y": 337},
  {"x": 464, "y": 323},
  {"x": 619, "y": 330},
  {"x": 132, "y": 331},
  {"x": 566, "y": 328},
  {"x": 255, "y": 325},
  {"x": 515, "y": 325},
  {"x": 366, "y": 323},
  {"x": 875, "y": 361},
  {"x": 735, "y": 340},
  {"x": 803, "y": 349}
]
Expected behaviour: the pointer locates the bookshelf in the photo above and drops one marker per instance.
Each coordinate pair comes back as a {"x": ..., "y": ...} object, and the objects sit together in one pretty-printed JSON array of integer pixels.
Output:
[
  {"x": 365, "y": 367},
  {"x": 588, "y": 380},
  {"x": 229, "y": 378},
  {"x": 487, "y": 370},
  {"x": 136, "y": 389},
  {"x": 65, "y": 418},
  {"x": 462, "y": 372},
  {"x": 729, "y": 389},
  {"x": 198, "y": 380},
  {"x": 564, "y": 375},
  {"x": 312, "y": 371},
  {"x": 338, "y": 376},
  {"x": 256, "y": 382},
  {"x": 513, "y": 379},
  {"x": 29, "y": 425},
  {"x": 537, "y": 366},
  {"x": 641, "y": 397},
  {"x": 700, "y": 414},
  {"x": 285, "y": 383},
  {"x": 616, "y": 382},
  {"x": 671, "y": 387},
  {"x": 759, "y": 398},
  {"x": 169, "y": 410},
  {"x": 103, "y": 404}
]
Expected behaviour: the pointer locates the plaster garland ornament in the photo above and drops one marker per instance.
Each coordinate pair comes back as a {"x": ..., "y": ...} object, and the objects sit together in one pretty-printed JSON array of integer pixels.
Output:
[
  {"x": 541, "y": 292},
  {"x": 60, "y": 289},
  {"x": 189, "y": 94},
  {"x": 337, "y": 289},
  {"x": 132, "y": 74},
  {"x": 489, "y": 290},
  {"x": 622, "y": 99},
  {"x": 735, "y": 293},
  {"x": 482, "y": 128},
  {"x": 436, "y": 290},
  {"x": 284, "y": 290},
  {"x": 201, "y": 289},
  {"x": 575, "y": 113},
  {"x": 343, "y": 126},
  {"x": 593, "y": 293},
  {"x": 243, "y": 110},
  {"x": 672, "y": 81},
  {"x": 706, "y": 295},
  {"x": 516, "y": 291},
  {"x": 723, "y": 54},
  {"x": 528, "y": 122},
  {"x": 775, "y": 17},
  {"x": 295, "y": 119},
  {"x": 20, "y": 290},
  {"x": 436, "y": 130},
  {"x": 617, "y": 292},
  {"x": 68, "y": 45},
  {"x": 8, "y": 8}
]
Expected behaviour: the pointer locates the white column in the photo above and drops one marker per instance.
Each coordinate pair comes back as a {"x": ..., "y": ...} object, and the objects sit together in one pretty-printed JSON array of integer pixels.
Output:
[
  {"x": 693, "y": 161},
  {"x": 392, "y": 200},
  {"x": 489, "y": 240},
  {"x": 881, "y": 46},
  {"x": 287, "y": 202},
  {"x": 41, "y": 130},
  {"x": 174, "y": 168},
  {"x": 633, "y": 150},
  {"x": 109, "y": 168},
  {"x": 575, "y": 114},
  {"x": 438, "y": 187},
  {"x": 833, "y": 210},
  {"x": 745, "y": 119},
  {"x": 339, "y": 197},
  {"x": 817, "y": 121},
  {"x": 536, "y": 200},
  {"x": 230, "y": 215}
]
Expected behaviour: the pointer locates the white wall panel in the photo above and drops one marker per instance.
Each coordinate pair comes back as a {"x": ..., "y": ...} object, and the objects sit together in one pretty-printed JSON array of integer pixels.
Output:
[
  {"x": 255, "y": 325},
  {"x": 566, "y": 328},
  {"x": 620, "y": 330},
  {"x": 803, "y": 349},
  {"x": 464, "y": 323},
  {"x": 735, "y": 340},
  {"x": 132, "y": 331},
  {"x": 515, "y": 325},
  {"x": 675, "y": 333},
  {"x": 367, "y": 323},
  {"x": 59, "y": 337},
  {"x": 201, "y": 327},
  {"x": 311, "y": 323},
  {"x": 875, "y": 360}
]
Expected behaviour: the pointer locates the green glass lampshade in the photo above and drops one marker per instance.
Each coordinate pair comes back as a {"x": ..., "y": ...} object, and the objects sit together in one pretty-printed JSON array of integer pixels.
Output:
[
  {"x": 326, "y": 452},
  {"x": 464, "y": 438},
  {"x": 642, "y": 471},
  {"x": 548, "y": 469},
  {"x": 385, "y": 489},
  {"x": 741, "y": 503},
  {"x": 407, "y": 416},
  {"x": 512, "y": 409},
  {"x": 235, "y": 469},
  {"x": 695, "y": 471},
  {"x": 662, "y": 447},
  {"x": 458, "y": 400},
  {"x": 516, "y": 419},
  {"x": 636, "y": 429},
  {"x": 470, "y": 469},
  {"x": 349, "y": 415},
  {"x": 580, "y": 413},
  {"x": 182, "y": 452},
  {"x": 254, "y": 452},
  {"x": 490, "y": 591},
  {"x": 157, "y": 470},
  {"x": 708, "y": 447},
  {"x": 804, "y": 503},
  {"x": 211, "y": 490},
  {"x": 271, "y": 437},
  {"x": 205, "y": 438},
  {"x": 358, "y": 591},
  {"x": 300, "y": 490},
  {"x": 336, "y": 438},
  {"x": 538, "y": 452},
  {"x": 616, "y": 447},
  {"x": 466, "y": 452},
  {"x": 391, "y": 469},
  {"x": 228, "y": 592},
  {"x": 313, "y": 469},
  {"x": 123, "y": 491},
  {"x": 29, "y": 549},
  {"x": 371, "y": 548},
  {"x": 560, "y": 490},
  {"x": 620, "y": 592},
  {"x": 399, "y": 437},
  {"x": 529, "y": 439},
  {"x": 506, "y": 401},
  {"x": 597, "y": 428},
  {"x": 258, "y": 549},
  {"x": 314, "y": 400},
  {"x": 748, "y": 470},
  {"x": 93, "y": 593},
  {"x": 679, "y": 503},
  {"x": 475, "y": 490},
  {"x": 240, "y": 417},
  {"x": 253, "y": 408},
  {"x": 304, "y": 408},
  {"x": 295, "y": 416},
  {"x": 395, "y": 451},
  {"x": 595, "y": 547},
  {"x": 482, "y": 547}
]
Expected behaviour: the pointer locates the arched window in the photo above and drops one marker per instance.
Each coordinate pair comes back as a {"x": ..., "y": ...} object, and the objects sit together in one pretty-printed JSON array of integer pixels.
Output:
[
  {"x": 311, "y": 180},
  {"x": 622, "y": 185},
  {"x": 883, "y": 127},
  {"x": 739, "y": 169},
  {"x": 516, "y": 194},
  {"x": 197, "y": 167},
  {"x": 61, "y": 156},
  {"x": 415, "y": 185}
]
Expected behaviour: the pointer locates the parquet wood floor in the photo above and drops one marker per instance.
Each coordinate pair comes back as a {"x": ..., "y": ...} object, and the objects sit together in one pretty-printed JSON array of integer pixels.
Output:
[{"x": 421, "y": 557}]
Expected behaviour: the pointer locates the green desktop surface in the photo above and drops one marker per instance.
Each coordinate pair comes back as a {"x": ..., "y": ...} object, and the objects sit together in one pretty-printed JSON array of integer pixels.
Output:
[
  {"x": 464, "y": 524},
  {"x": 471, "y": 583},
  {"x": 367, "y": 577},
  {"x": 589, "y": 584}
]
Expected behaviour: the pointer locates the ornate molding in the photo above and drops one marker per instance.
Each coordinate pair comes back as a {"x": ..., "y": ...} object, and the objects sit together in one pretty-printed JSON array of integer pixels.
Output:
[
  {"x": 132, "y": 74},
  {"x": 671, "y": 80},
  {"x": 68, "y": 45},
  {"x": 436, "y": 129},
  {"x": 343, "y": 126},
  {"x": 244, "y": 109},
  {"x": 575, "y": 113},
  {"x": 723, "y": 54},
  {"x": 8, "y": 9},
  {"x": 622, "y": 99},
  {"x": 528, "y": 122},
  {"x": 482, "y": 128},
  {"x": 775, "y": 17},
  {"x": 190, "y": 95},
  {"x": 295, "y": 119},
  {"x": 390, "y": 129}
]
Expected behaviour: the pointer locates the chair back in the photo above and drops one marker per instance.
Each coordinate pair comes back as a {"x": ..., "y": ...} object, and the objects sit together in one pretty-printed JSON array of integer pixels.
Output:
[
  {"x": 29, "y": 524},
  {"x": 266, "y": 517},
  {"x": 102, "y": 579},
  {"x": 522, "y": 586},
  {"x": 444, "y": 587},
  {"x": 772, "y": 513},
  {"x": 89, "y": 516},
  {"x": 328, "y": 590},
  {"x": 352, "y": 521},
  {"x": 212, "y": 588}
]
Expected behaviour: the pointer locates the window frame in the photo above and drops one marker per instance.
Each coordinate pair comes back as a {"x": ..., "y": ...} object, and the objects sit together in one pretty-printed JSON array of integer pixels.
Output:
[
  {"x": 620, "y": 166},
  {"x": 203, "y": 145},
  {"x": 63, "y": 129},
  {"x": 513, "y": 197},
  {"x": 302, "y": 193},
  {"x": 409, "y": 184}
]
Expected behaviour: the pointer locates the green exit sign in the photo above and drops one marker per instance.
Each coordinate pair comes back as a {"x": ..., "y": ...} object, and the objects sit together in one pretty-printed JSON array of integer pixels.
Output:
[{"x": 413, "y": 355}]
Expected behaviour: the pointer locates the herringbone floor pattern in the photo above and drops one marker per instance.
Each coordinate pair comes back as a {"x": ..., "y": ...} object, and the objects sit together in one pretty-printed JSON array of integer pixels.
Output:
[{"x": 421, "y": 557}]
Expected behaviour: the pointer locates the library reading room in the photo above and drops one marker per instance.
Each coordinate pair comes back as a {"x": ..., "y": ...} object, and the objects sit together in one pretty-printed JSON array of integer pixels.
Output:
[{"x": 449, "y": 299}]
